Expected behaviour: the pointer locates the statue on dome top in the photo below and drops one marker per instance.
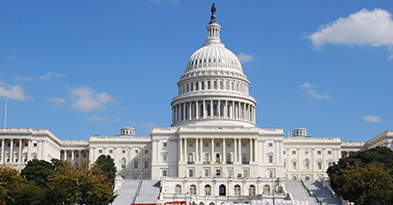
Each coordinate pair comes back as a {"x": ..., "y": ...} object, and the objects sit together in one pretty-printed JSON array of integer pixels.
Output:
[{"x": 213, "y": 9}]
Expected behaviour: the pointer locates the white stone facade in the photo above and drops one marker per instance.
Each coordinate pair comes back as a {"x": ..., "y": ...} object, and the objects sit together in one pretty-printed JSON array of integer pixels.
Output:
[{"x": 213, "y": 150}]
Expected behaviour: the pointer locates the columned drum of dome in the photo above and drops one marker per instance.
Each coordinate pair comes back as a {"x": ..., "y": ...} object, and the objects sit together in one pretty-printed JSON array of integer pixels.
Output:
[{"x": 213, "y": 89}]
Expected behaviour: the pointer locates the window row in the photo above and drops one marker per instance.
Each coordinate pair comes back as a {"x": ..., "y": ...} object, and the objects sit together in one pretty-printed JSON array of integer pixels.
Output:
[
  {"x": 214, "y": 61},
  {"x": 135, "y": 164},
  {"x": 222, "y": 190},
  {"x": 214, "y": 84}
]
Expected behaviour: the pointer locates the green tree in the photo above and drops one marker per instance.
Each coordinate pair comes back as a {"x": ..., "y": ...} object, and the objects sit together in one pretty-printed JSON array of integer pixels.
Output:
[
  {"x": 38, "y": 171},
  {"x": 107, "y": 166},
  {"x": 77, "y": 183},
  {"x": 364, "y": 177}
]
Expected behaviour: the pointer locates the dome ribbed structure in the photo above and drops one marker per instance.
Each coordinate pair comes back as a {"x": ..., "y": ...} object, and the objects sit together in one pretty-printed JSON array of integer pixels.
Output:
[{"x": 213, "y": 88}]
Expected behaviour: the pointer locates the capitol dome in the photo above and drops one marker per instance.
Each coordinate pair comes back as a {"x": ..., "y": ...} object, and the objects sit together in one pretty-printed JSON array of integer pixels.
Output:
[{"x": 213, "y": 89}]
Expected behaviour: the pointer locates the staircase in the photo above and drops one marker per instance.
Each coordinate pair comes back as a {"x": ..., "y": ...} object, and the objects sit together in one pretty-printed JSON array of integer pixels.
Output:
[
  {"x": 126, "y": 193},
  {"x": 149, "y": 192},
  {"x": 323, "y": 195},
  {"x": 298, "y": 193}
]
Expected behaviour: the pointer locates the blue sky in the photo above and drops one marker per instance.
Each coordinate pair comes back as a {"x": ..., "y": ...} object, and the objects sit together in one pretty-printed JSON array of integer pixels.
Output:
[{"x": 81, "y": 68}]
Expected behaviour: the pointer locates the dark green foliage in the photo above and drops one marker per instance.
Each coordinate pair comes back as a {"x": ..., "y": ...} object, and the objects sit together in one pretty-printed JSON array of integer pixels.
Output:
[
  {"x": 38, "y": 171},
  {"x": 107, "y": 166},
  {"x": 364, "y": 177}
]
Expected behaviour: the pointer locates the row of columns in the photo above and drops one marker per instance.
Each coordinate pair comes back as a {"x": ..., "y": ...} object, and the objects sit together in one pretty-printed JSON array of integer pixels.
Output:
[
  {"x": 74, "y": 155},
  {"x": 220, "y": 109},
  {"x": 11, "y": 151},
  {"x": 199, "y": 154}
]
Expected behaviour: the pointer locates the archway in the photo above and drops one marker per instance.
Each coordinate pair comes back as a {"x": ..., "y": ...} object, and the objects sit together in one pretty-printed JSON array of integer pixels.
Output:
[{"x": 222, "y": 190}]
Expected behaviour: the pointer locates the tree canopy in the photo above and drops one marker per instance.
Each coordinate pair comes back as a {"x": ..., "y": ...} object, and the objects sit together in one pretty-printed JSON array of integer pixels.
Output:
[
  {"x": 59, "y": 182},
  {"x": 364, "y": 177},
  {"x": 107, "y": 165}
]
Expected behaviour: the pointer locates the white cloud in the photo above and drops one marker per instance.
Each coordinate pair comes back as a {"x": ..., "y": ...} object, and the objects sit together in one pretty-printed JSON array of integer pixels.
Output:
[
  {"x": 57, "y": 101},
  {"x": 245, "y": 57},
  {"x": 308, "y": 87},
  {"x": 11, "y": 58},
  {"x": 23, "y": 79},
  {"x": 372, "y": 118},
  {"x": 374, "y": 28},
  {"x": 49, "y": 75},
  {"x": 14, "y": 92},
  {"x": 86, "y": 99}
]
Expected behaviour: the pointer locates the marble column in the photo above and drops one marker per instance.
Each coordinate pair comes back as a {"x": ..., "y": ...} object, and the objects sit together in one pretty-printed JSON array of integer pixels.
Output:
[
  {"x": 212, "y": 151},
  {"x": 11, "y": 150},
  {"x": 251, "y": 151},
  {"x": 20, "y": 152},
  {"x": 239, "y": 144},
  {"x": 224, "y": 155},
  {"x": 181, "y": 148},
  {"x": 197, "y": 149},
  {"x": 235, "y": 148},
  {"x": 196, "y": 110}
]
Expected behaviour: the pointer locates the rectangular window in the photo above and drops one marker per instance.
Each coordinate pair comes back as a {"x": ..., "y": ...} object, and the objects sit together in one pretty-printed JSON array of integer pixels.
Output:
[
  {"x": 271, "y": 174},
  {"x": 100, "y": 151},
  {"x": 245, "y": 173},
  {"x": 270, "y": 158},
  {"x": 218, "y": 172},
  {"x": 191, "y": 145},
  {"x": 270, "y": 144},
  {"x": 164, "y": 158},
  {"x": 164, "y": 144},
  {"x": 329, "y": 164},
  {"x": 135, "y": 165},
  {"x": 191, "y": 173},
  {"x": 206, "y": 172},
  {"x": 318, "y": 152},
  {"x": 319, "y": 165},
  {"x": 329, "y": 152},
  {"x": 35, "y": 144},
  {"x": 293, "y": 152},
  {"x": 164, "y": 173},
  {"x": 136, "y": 151},
  {"x": 229, "y": 145},
  {"x": 284, "y": 152},
  {"x": 206, "y": 144},
  {"x": 146, "y": 151},
  {"x": 294, "y": 165},
  {"x": 244, "y": 145},
  {"x": 110, "y": 151},
  {"x": 146, "y": 164},
  {"x": 217, "y": 144}
]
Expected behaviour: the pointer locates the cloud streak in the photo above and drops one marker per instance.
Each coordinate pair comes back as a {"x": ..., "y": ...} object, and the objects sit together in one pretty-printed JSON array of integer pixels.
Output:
[
  {"x": 374, "y": 28},
  {"x": 49, "y": 75},
  {"x": 308, "y": 87},
  {"x": 57, "y": 101},
  {"x": 14, "y": 92},
  {"x": 244, "y": 58},
  {"x": 86, "y": 99},
  {"x": 372, "y": 118}
]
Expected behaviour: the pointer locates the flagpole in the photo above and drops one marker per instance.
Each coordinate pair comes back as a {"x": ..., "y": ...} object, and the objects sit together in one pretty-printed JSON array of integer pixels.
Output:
[{"x": 5, "y": 113}]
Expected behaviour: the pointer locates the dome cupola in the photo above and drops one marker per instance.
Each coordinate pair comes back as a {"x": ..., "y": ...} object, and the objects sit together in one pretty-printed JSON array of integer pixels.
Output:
[{"x": 213, "y": 87}]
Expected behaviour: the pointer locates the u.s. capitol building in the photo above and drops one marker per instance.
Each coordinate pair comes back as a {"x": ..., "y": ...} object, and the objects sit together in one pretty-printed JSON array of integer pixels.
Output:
[{"x": 213, "y": 148}]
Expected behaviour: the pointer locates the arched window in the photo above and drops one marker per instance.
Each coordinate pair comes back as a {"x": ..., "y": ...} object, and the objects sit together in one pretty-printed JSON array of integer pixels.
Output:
[
  {"x": 217, "y": 158},
  {"x": 193, "y": 189},
  {"x": 123, "y": 163},
  {"x": 251, "y": 190},
  {"x": 237, "y": 190},
  {"x": 206, "y": 158},
  {"x": 222, "y": 190},
  {"x": 208, "y": 190},
  {"x": 178, "y": 189},
  {"x": 190, "y": 158},
  {"x": 244, "y": 158},
  {"x": 266, "y": 189},
  {"x": 307, "y": 164}
]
